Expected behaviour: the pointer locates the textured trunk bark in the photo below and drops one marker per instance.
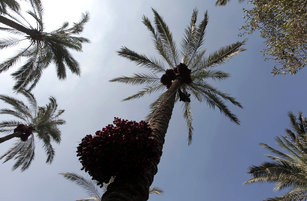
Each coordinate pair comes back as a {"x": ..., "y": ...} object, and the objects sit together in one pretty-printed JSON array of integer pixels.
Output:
[
  {"x": 17, "y": 26},
  {"x": 136, "y": 187},
  {"x": 8, "y": 137}
]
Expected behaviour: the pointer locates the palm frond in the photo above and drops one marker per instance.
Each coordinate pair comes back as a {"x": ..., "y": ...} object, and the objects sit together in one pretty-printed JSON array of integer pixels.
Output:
[
  {"x": 12, "y": 151},
  {"x": 221, "y": 2},
  {"x": 288, "y": 170},
  {"x": 49, "y": 151},
  {"x": 26, "y": 155},
  {"x": 146, "y": 90},
  {"x": 6, "y": 124},
  {"x": 197, "y": 59},
  {"x": 11, "y": 61},
  {"x": 166, "y": 36},
  {"x": 23, "y": 152},
  {"x": 4, "y": 43},
  {"x": 138, "y": 78},
  {"x": 188, "y": 40},
  {"x": 203, "y": 86},
  {"x": 151, "y": 64},
  {"x": 163, "y": 51},
  {"x": 194, "y": 37},
  {"x": 205, "y": 74},
  {"x": 88, "y": 185},
  {"x": 275, "y": 151},
  {"x": 214, "y": 101},
  {"x": 156, "y": 190},
  {"x": 78, "y": 26},
  {"x": 14, "y": 113},
  {"x": 297, "y": 194},
  {"x": 18, "y": 106},
  {"x": 31, "y": 99},
  {"x": 222, "y": 55}
]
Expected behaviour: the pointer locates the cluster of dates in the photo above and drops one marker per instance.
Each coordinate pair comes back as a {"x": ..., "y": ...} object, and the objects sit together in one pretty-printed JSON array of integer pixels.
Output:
[
  {"x": 126, "y": 147},
  {"x": 25, "y": 131},
  {"x": 181, "y": 71}
]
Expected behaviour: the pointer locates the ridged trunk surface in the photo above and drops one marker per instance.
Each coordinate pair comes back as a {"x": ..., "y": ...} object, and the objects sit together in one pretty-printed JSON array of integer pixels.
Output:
[{"x": 136, "y": 187}]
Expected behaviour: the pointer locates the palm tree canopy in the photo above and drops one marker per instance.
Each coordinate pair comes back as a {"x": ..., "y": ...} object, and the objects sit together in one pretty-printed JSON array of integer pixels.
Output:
[
  {"x": 193, "y": 56},
  {"x": 289, "y": 167},
  {"x": 44, "y": 120},
  {"x": 42, "y": 47}
]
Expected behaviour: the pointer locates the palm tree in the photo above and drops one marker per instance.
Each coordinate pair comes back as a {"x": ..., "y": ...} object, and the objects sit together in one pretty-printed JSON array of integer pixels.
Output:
[
  {"x": 42, "y": 47},
  {"x": 181, "y": 82},
  {"x": 289, "y": 167},
  {"x": 91, "y": 186},
  {"x": 29, "y": 120}
]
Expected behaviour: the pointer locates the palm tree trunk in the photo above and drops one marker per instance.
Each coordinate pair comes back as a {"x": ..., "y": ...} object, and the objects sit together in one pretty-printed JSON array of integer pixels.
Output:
[
  {"x": 17, "y": 26},
  {"x": 136, "y": 187},
  {"x": 10, "y": 136}
]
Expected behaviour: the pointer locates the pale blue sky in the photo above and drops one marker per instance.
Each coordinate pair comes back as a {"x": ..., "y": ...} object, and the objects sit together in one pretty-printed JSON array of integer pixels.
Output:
[{"x": 215, "y": 165}]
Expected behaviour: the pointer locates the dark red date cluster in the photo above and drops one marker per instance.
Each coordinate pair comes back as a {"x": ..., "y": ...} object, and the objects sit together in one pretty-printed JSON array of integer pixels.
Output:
[
  {"x": 25, "y": 130},
  {"x": 126, "y": 147},
  {"x": 170, "y": 74}
]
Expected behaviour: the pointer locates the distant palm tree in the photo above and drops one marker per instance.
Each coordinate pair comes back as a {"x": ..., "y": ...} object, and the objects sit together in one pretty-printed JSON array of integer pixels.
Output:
[
  {"x": 42, "y": 48},
  {"x": 31, "y": 119},
  {"x": 91, "y": 186},
  {"x": 181, "y": 82},
  {"x": 289, "y": 167}
]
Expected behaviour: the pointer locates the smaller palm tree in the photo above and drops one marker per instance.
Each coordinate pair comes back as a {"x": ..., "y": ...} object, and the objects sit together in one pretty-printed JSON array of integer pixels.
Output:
[
  {"x": 40, "y": 47},
  {"x": 289, "y": 168},
  {"x": 30, "y": 120},
  {"x": 91, "y": 186}
]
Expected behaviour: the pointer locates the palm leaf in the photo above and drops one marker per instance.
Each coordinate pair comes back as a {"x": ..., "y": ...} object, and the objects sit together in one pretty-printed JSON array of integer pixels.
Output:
[
  {"x": 138, "y": 78},
  {"x": 151, "y": 64},
  {"x": 163, "y": 51},
  {"x": 194, "y": 38},
  {"x": 84, "y": 183},
  {"x": 222, "y": 55},
  {"x": 11, "y": 61},
  {"x": 18, "y": 105},
  {"x": 4, "y": 43},
  {"x": 26, "y": 155},
  {"x": 5, "y": 124},
  {"x": 166, "y": 36},
  {"x": 146, "y": 90}
]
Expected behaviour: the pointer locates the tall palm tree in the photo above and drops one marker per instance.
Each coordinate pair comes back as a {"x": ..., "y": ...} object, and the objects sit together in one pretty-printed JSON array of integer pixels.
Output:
[
  {"x": 181, "y": 82},
  {"x": 289, "y": 167},
  {"x": 30, "y": 122},
  {"x": 91, "y": 186},
  {"x": 40, "y": 47}
]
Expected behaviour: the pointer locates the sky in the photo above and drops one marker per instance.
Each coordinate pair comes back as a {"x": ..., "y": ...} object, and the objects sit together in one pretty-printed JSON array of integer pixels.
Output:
[{"x": 215, "y": 165}]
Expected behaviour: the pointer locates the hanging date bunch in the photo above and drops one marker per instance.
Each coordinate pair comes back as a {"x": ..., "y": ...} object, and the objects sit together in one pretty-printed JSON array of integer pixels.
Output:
[
  {"x": 181, "y": 71},
  {"x": 126, "y": 147},
  {"x": 24, "y": 130}
]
